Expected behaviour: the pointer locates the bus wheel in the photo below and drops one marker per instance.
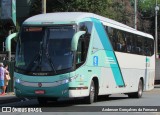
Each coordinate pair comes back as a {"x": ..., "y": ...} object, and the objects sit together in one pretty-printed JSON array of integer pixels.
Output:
[
  {"x": 90, "y": 99},
  {"x": 137, "y": 94},
  {"x": 42, "y": 101}
]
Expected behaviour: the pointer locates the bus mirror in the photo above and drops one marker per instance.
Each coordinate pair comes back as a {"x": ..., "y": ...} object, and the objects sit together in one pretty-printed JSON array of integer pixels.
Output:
[
  {"x": 8, "y": 41},
  {"x": 75, "y": 39},
  {"x": 16, "y": 38}
]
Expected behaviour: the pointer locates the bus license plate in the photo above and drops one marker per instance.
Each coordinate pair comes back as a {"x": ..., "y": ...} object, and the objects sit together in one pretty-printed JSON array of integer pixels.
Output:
[{"x": 39, "y": 92}]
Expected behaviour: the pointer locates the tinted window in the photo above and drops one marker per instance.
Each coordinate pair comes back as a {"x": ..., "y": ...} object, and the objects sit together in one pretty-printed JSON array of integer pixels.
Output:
[
  {"x": 83, "y": 43},
  {"x": 45, "y": 48},
  {"x": 130, "y": 43}
]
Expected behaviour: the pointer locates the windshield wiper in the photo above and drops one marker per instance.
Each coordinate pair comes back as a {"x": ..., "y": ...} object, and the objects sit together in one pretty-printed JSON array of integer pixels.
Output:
[
  {"x": 36, "y": 57},
  {"x": 50, "y": 61}
]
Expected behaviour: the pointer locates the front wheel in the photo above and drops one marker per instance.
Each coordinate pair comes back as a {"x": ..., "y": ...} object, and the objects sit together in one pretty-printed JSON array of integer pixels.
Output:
[
  {"x": 139, "y": 93},
  {"x": 90, "y": 99}
]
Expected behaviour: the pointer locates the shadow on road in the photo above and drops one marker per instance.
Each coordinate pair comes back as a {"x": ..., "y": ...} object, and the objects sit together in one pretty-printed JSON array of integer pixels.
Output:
[{"x": 74, "y": 102}]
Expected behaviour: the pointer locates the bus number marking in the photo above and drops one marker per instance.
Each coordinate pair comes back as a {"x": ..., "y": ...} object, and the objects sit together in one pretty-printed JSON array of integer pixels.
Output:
[{"x": 95, "y": 60}]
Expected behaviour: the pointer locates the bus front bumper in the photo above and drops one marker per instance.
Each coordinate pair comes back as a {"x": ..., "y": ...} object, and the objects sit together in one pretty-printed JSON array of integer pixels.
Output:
[{"x": 58, "y": 91}]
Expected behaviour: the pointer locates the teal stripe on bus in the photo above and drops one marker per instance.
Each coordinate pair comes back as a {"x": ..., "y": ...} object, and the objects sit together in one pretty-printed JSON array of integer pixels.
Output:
[
  {"x": 116, "y": 69},
  {"x": 110, "y": 52}
]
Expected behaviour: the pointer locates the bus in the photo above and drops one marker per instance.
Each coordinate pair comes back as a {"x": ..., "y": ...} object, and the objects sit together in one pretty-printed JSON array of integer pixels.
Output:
[{"x": 81, "y": 55}]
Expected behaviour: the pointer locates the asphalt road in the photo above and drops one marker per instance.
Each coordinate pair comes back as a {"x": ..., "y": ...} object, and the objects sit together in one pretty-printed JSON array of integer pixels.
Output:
[{"x": 116, "y": 101}]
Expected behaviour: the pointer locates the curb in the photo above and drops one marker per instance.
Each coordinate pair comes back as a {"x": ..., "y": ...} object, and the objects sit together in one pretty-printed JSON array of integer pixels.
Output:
[
  {"x": 11, "y": 98},
  {"x": 156, "y": 86},
  {"x": 8, "y": 99}
]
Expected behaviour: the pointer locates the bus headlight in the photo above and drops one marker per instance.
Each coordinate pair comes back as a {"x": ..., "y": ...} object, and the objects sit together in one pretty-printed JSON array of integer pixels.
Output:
[
  {"x": 68, "y": 80},
  {"x": 17, "y": 80},
  {"x": 73, "y": 78}
]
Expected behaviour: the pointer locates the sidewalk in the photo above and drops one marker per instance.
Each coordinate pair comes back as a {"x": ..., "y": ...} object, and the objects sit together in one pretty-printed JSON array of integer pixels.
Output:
[{"x": 8, "y": 98}]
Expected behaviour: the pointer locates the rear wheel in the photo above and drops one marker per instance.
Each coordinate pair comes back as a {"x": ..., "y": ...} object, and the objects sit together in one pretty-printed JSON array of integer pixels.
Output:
[
  {"x": 92, "y": 94},
  {"x": 139, "y": 93}
]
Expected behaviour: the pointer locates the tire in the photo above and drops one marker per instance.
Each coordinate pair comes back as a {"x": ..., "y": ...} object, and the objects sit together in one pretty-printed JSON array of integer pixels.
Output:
[
  {"x": 139, "y": 93},
  {"x": 92, "y": 94}
]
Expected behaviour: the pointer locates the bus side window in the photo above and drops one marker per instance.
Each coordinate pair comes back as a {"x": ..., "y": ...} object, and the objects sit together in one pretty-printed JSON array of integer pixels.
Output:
[
  {"x": 143, "y": 48},
  {"x": 129, "y": 42},
  {"x": 147, "y": 50},
  {"x": 150, "y": 48},
  {"x": 111, "y": 36},
  {"x": 133, "y": 44},
  {"x": 121, "y": 42},
  {"x": 83, "y": 43},
  {"x": 80, "y": 50},
  {"x": 138, "y": 45}
]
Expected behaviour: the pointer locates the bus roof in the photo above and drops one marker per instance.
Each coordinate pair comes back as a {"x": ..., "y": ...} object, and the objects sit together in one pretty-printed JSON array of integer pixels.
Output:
[{"x": 76, "y": 16}]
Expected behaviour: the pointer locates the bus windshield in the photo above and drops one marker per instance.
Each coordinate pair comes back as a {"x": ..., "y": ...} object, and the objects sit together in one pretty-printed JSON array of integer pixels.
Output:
[{"x": 45, "y": 49}]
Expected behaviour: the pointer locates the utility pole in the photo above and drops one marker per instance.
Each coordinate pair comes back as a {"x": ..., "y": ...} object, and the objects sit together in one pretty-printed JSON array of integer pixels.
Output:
[
  {"x": 43, "y": 6},
  {"x": 135, "y": 12},
  {"x": 156, "y": 35}
]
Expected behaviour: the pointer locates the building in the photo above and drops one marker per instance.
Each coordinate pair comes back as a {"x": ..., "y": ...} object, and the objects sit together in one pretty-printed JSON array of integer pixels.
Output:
[{"x": 22, "y": 12}]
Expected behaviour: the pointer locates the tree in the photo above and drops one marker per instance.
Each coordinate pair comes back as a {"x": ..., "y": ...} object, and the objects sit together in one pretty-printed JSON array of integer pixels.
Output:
[
  {"x": 114, "y": 9},
  {"x": 35, "y": 7},
  {"x": 146, "y": 9}
]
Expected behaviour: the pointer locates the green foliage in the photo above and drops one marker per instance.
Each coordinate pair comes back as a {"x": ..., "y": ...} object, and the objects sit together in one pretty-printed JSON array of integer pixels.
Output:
[
  {"x": 35, "y": 7},
  {"x": 147, "y": 7},
  {"x": 96, "y": 6},
  {"x": 147, "y": 10},
  {"x": 114, "y": 9},
  {"x": 119, "y": 10}
]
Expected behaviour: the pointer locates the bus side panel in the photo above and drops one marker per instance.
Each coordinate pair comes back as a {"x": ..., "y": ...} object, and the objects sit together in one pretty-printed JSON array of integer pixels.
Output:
[
  {"x": 134, "y": 67},
  {"x": 101, "y": 57},
  {"x": 101, "y": 37},
  {"x": 126, "y": 69},
  {"x": 150, "y": 64}
]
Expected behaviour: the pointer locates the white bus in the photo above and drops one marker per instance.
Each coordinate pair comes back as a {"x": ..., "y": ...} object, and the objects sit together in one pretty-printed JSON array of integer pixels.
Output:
[{"x": 76, "y": 54}]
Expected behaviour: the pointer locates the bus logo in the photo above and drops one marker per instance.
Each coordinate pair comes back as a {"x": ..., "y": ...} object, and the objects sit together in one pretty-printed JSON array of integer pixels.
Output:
[
  {"x": 39, "y": 84},
  {"x": 95, "y": 60}
]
